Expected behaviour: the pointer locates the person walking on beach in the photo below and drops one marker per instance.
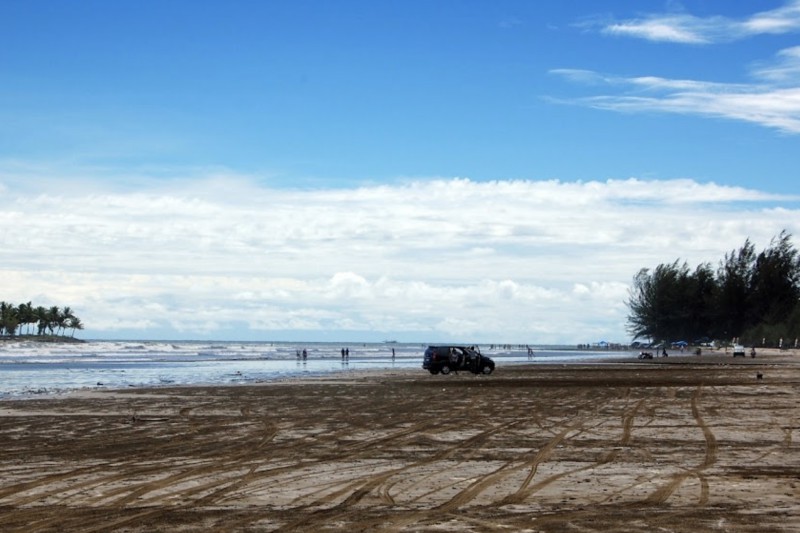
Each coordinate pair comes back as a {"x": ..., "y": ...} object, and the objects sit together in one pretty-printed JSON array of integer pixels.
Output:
[{"x": 305, "y": 354}]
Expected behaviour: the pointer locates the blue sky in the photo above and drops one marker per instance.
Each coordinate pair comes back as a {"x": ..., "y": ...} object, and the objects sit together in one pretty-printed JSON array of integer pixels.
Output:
[{"x": 480, "y": 171}]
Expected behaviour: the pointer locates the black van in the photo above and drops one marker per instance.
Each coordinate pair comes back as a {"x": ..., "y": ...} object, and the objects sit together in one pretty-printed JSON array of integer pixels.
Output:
[{"x": 446, "y": 358}]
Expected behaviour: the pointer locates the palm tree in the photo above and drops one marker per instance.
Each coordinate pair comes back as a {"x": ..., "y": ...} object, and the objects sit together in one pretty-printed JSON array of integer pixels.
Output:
[
  {"x": 9, "y": 318},
  {"x": 3, "y": 312},
  {"x": 26, "y": 316},
  {"x": 64, "y": 316},
  {"x": 74, "y": 323},
  {"x": 52, "y": 318},
  {"x": 40, "y": 313},
  {"x": 14, "y": 319}
]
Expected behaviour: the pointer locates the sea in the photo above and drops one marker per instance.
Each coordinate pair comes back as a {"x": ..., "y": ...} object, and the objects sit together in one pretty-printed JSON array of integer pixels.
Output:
[{"x": 32, "y": 369}]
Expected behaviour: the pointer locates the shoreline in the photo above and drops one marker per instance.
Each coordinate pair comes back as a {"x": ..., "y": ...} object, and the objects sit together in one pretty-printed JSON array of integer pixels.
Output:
[
  {"x": 327, "y": 368},
  {"x": 45, "y": 339}
]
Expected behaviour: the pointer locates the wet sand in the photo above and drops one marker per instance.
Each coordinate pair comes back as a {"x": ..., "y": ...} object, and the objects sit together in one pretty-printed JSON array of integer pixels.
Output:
[{"x": 677, "y": 444}]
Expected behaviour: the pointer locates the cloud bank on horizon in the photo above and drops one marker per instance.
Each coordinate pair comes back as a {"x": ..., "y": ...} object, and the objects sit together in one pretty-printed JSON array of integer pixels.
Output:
[
  {"x": 490, "y": 172},
  {"x": 225, "y": 257}
]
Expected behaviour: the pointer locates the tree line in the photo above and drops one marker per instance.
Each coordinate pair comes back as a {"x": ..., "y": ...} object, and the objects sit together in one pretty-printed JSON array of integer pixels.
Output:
[
  {"x": 21, "y": 319},
  {"x": 754, "y": 297}
]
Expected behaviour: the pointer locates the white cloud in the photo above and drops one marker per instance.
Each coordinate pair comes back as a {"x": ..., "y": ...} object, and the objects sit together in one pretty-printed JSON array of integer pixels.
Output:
[
  {"x": 773, "y": 101},
  {"x": 785, "y": 69},
  {"x": 781, "y": 20},
  {"x": 678, "y": 29},
  {"x": 685, "y": 28},
  {"x": 501, "y": 261}
]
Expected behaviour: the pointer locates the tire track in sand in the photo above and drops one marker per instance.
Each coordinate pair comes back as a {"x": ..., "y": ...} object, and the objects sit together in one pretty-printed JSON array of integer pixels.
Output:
[
  {"x": 486, "y": 481},
  {"x": 203, "y": 471},
  {"x": 526, "y": 489},
  {"x": 662, "y": 494},
  {"x": 358, "y": 489},
  {"x": 362, "y": 487},
  {"x": 474, "y": 489}
]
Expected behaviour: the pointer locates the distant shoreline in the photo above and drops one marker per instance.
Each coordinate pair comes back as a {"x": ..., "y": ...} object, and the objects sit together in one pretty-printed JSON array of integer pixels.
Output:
[{"x": 53, "y": 339}]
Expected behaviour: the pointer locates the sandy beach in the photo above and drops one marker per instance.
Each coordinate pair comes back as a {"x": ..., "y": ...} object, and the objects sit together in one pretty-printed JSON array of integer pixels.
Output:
[{"x": 673, "y": 444}]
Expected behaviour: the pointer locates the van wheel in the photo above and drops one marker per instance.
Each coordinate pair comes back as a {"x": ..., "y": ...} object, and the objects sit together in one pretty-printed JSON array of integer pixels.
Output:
[
  {"x": 487, "y": 369},
  {"x": 445, "y": 370},
  {"x": 434, "y": 371}
]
